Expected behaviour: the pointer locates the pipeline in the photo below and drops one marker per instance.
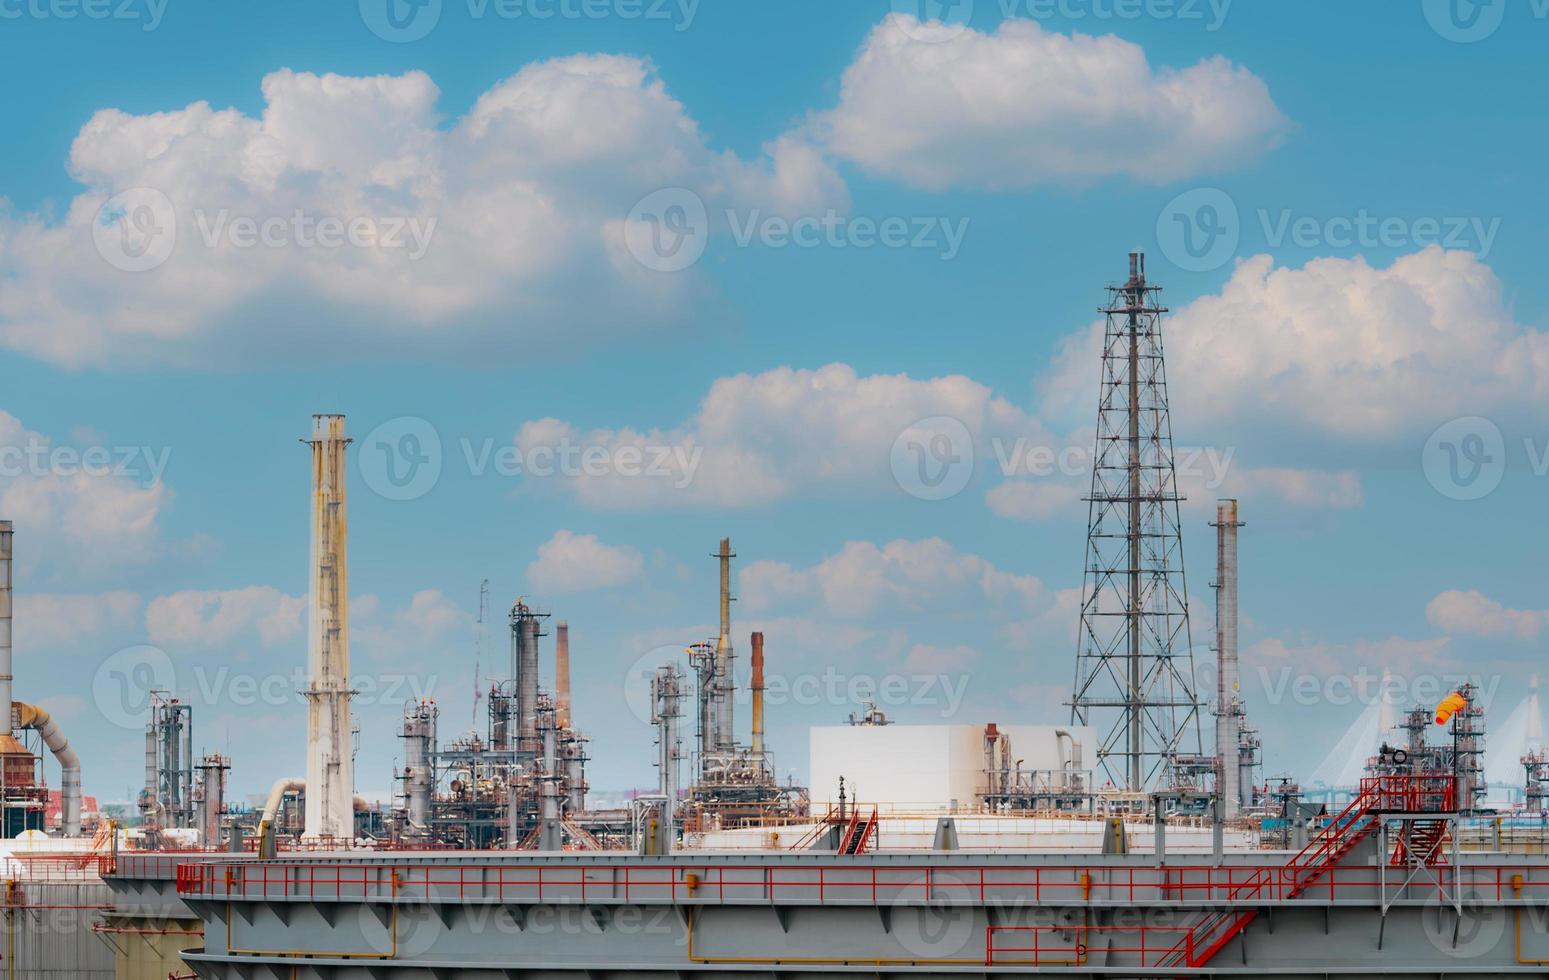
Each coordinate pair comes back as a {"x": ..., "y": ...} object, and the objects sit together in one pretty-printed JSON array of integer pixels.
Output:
[
  {"x": 292, "y": 784},
  {"x": 31, "y": 716}
]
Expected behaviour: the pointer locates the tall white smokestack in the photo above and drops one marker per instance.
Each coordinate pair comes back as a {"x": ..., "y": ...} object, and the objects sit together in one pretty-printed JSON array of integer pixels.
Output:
[
  {"x": 1228, "y": 702},
  {"x": 330, "y": 786}
]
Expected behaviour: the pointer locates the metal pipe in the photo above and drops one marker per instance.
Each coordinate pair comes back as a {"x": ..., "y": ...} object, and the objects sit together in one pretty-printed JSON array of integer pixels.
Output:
[
  {"x": 562, "y": 675},
  {"x": 6, "y": 534},
  {"x": 1228, "y": 701},
  {"x": 277, "y": 796},
  {"x": 758, "y": 696},
  {"x": 35, "y": 718},
  {"x": 330, "y": 760}
]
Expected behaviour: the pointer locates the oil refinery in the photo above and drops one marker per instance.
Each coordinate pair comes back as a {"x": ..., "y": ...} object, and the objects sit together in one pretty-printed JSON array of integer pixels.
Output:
[{"x": 1116, "y": 840}]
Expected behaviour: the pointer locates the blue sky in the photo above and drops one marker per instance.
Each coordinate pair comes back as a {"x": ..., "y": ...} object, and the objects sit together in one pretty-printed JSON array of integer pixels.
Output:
[{"x": 1325, "y": 361}]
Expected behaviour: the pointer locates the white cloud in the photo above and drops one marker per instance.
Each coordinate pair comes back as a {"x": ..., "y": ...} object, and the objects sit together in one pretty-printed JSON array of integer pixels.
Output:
[
  {"x": 1338, "y": 347},
  {"x": 1028, "y": 500},
  {"x": 863, "y": 579},
  {"x": 1472, "y": 613},
  {"x": 51, "y": 620},
  {"x": 214, "y": 618},
  {"x": 1025, "y": 106},
  {"x": 527, "y": 194},
  {"x": 762, "y": 437},
  {"x": 418, "y": 635},
  {"x": 923, "y": 658},
  {"x": 68, "y": 518},
  {"x": 570, "y": 562}
]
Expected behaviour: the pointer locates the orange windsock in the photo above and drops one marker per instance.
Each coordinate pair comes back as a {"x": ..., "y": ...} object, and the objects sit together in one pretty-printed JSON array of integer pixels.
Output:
[{"x": 1449, "y": 706}]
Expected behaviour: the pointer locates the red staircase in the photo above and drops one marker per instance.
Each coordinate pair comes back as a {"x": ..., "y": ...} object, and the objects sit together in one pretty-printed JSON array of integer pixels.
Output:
[
  {"x": 1358, "y": 821},
  {"x": 859, "y": 832}
]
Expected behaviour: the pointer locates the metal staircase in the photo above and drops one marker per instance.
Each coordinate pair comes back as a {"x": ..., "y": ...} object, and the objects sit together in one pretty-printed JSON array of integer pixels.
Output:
[
  {"x": 1377, "y": 796},
  {"x": 859, "y": 832}
]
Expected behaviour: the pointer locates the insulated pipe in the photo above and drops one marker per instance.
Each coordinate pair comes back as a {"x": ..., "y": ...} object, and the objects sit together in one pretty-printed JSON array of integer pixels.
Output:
[
  {"x": 562, "y": 675},
  {"x": 277, "y": 796},
  {"x": 5, "y": 619},
  {"x": 35, "y": 718},
  {"x": 758, "y": 695}
]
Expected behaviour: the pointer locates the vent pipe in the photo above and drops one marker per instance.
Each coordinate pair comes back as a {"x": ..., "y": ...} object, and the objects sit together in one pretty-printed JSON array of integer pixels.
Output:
[
  {"x": 562, "y": 674},
  {"x": 330, "y": 762},
  {"x": 758, "y": 695}
]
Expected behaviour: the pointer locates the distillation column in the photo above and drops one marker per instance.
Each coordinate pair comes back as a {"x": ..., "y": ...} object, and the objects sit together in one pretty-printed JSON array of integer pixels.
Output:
[
  {"x": 725, "y": 733},
  {"x": 419, "y": 749},
  {"x": 330, "y": 785},
  {"x": 1229, "y": 709},
  {"x": 758, "y": 699}
]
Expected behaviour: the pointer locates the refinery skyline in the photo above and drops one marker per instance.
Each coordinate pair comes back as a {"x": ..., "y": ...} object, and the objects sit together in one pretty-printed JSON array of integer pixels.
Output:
[{"x": 878, "y": 377}]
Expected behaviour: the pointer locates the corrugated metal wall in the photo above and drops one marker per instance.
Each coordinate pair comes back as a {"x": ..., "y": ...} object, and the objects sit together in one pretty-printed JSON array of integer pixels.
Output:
[{"x": 49, "y": 936}]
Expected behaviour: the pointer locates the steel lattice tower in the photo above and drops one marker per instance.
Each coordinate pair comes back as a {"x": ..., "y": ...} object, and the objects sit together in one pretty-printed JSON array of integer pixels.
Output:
[{"x": 1134, "y": 655}]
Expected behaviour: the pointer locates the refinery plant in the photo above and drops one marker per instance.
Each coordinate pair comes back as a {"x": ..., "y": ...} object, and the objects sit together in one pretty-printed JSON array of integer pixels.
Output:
[{"x": 1114, "y": 841}]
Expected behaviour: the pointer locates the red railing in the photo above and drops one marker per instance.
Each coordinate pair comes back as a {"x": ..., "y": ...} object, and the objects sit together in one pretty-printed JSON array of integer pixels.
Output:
[
  {"x": 833, "y": 883},
  {"x": 1069, "y": 945}
]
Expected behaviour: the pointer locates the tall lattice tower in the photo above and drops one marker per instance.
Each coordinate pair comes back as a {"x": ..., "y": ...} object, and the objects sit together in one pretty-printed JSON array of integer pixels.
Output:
[{"x": 1134, "y": 655}]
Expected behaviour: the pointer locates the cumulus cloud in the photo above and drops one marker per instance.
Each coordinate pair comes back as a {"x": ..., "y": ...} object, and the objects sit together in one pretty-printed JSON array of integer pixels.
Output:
[
  {"x": 761, "y": 437},
  {"x": 863, "y": 579},
  {"x": 417, "y": 634},
  {"x": 570, "y": 562},
  {"x": 1472, "y": 613},
  {"x": 51, "y": 620},
  {"x": 1025, "y": 106},
  {"x": 213, "y": 618},
  {"x": 73, "y": 517},
  {"x": 1338, "y": 347},
  {"x": 499, "y": 230}
]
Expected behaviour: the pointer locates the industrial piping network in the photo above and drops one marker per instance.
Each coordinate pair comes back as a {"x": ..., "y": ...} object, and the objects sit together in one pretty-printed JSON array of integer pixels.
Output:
[{"x": 25, "y": 716}]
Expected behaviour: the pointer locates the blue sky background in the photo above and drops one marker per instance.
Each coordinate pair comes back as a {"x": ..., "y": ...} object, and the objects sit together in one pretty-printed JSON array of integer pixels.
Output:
[{"x": 1382, "y": 113}]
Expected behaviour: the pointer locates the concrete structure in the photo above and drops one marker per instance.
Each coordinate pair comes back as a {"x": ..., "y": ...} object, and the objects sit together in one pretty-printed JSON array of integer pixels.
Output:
[
  {"x": 330, "y": 779},
  {"x": 925, "y": 767},
  {"x": 1229, "y": 706}
]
